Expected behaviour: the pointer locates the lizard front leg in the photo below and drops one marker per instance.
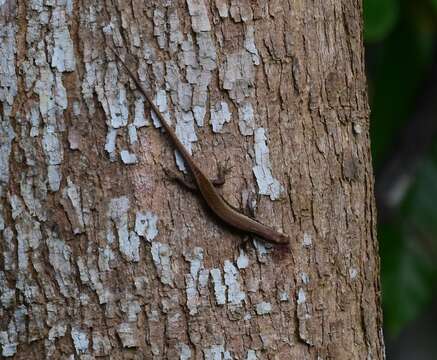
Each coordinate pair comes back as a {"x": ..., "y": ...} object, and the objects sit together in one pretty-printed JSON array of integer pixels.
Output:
[{"x": 219, "y": 181}]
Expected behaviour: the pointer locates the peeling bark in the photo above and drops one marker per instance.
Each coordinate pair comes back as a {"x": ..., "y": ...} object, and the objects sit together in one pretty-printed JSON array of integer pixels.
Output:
[{"x": 101, "y": 256}]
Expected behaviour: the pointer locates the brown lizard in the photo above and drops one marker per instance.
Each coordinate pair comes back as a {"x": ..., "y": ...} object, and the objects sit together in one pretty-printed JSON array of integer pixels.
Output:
[{"x": 209, "y": 193}]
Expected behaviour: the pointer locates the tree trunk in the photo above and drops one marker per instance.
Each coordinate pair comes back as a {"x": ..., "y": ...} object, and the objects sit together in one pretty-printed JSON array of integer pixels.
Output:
[{"x": 102, "y": 256}]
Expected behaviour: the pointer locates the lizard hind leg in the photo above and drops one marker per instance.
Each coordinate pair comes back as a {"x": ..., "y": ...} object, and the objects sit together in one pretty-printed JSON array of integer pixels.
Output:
[
  {"x": 245, "y": 242},
  {"x": 172, "y": 175},
  {"x": 222, "y": 171}
]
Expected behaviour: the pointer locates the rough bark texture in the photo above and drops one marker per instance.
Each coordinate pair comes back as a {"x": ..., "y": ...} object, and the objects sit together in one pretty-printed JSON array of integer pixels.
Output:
[{"x": 100, "y": 256}]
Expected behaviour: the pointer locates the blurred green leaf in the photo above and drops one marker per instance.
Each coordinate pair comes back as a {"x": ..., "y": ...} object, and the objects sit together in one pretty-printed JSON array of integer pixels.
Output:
[
  {"x": 380, "y": 16},
  {"x": 400, "y": 40},
  {"x": 397, "y": 72},
  {"x": 408, "y": 248}
]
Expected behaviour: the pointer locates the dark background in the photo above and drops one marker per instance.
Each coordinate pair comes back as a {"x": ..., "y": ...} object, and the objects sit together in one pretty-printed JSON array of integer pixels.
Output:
[{"x": 401, "y": 60}]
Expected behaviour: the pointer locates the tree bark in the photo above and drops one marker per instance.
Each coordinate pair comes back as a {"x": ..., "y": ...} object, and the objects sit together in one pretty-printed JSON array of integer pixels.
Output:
[{"x": 103, "y": 257}]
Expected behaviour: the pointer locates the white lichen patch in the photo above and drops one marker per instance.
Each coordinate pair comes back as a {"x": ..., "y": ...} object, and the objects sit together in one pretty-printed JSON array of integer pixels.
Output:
[
  {"x": 9, "y": 251},
  {"x": 73, "y": 207},
  {"x": 133, "y": 134},
  {"x": 51, "y": 96},
  {"x": 262, "y": 250},
  {"x": 222, "y": 7},
  {"x": 219, "y": 288},
  {"x": 175, "y": 33},
  {"x": 33, "y": 188},
  {"x": 220, "y": 115},
  {"x": 263, "y": 308},
  {"x": 186, "y": 134},
  {"x": 301, "y": 297},
  {"x": 249, "y": 44},
  {"x": 304, "y": 314},
  {"x": 7, "y": 135},
  {"x": 8, "y": 77},
  {"x": 111, "y": 141},
  {"x": 161, "y": 255},
  {"x": 184, "y": 351},
  {"x": 305, "y": 278},
  {"x": 251, "y": 355},
  {"x": 80, "y": 340},
  {"x": 217, "y": 352},
  {"x": 9, "y": 343},
  {"x": 192, "y": 279},
  {"x": 246, "y": 119},
  {"x": 106, "y": 255},
  {"x": 307, "y": 240},
  {"x": 146, "y": 225},
  {"x": 101, "y": 344},
  {"x": 192, "y": 294},
  {"x": 207, "y": 55},
  {"x": 161, "y": 104},
  {"x": 128, "y": 334},
  {"x": 140, "y": 119},
  {"x": 242, "y": 260},
  {"x": 131, "y": 249},
  {"x": 28, "y": 232},
  {"x": 52, "y": 146},
  {"x": 57, "y": 331},
  {"x": 238, "y": 76},
  {"x": 267, "y": 184},
  {"x": 159, "y": 27},
  {"x": 113, "y": 98},
  {"x": 240, "y": 11},
  {"x": 284, "y": 296},
  {"x": 231, "y": 275},
  {"x": 89, "y": 275},
  {"x": 128, "y": 241},
  {"x": 199, "y": 16},
  {"x": 62, "y": 50},
  {"x": 127, "y": 157},
  {"x": 60, "y": 255}
]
